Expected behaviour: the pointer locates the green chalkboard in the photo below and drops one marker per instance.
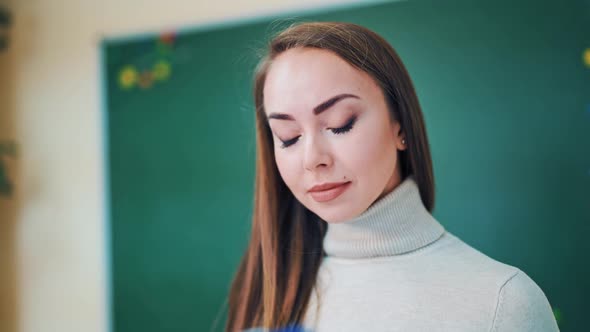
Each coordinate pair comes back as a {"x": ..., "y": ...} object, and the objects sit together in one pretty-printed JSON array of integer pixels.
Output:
[{"x": 506, "y": 98}]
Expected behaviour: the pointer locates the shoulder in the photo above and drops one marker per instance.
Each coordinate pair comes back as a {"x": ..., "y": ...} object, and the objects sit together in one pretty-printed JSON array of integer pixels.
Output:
[
  {"x": 522, "y": 306},
  {"x": 451, "y": 255}
]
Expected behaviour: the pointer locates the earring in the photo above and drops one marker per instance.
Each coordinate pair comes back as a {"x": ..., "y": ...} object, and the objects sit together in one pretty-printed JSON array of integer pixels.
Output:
[{"x": 404, "y": 141}]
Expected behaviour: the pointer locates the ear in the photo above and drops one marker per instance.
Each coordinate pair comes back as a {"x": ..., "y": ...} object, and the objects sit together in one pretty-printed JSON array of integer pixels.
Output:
[{"x": 399, "y": 136}]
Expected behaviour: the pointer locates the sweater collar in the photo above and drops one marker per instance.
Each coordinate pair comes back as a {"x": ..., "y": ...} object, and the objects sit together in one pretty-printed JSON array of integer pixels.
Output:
[{"x": 395, "y": 224}]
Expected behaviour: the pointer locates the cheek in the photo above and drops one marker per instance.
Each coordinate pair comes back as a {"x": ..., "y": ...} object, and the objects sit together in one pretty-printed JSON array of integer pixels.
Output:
[
  {"x": 288, "y": 168},
  {"x": 371, "y": 153}
]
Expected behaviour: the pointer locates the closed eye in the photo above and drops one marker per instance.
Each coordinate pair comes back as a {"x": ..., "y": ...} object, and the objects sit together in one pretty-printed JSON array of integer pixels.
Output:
[
  {"x": 288, "y": 143},
  {"x": 341, "y": 130},
  {"x": 346, "y": 128}
]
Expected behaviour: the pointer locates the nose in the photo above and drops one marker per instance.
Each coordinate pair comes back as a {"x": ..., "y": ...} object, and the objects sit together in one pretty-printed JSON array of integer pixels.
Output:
[{"x": 316, "y": 154}]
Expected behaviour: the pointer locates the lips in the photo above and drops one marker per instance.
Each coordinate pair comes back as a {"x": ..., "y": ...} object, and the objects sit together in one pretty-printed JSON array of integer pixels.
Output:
[
  {"x": 328, "y": 191},
  {"x": 326, "y": 186}
]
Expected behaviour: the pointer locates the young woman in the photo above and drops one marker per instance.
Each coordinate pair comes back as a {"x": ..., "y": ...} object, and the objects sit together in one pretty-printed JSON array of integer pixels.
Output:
[{"x": 342, "y": 233}]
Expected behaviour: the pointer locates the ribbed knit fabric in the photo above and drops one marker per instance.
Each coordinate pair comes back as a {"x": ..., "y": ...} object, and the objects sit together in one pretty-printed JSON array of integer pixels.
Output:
[
  {"x": 395, "y": 224},
  {"x": 396, "y": 268}
]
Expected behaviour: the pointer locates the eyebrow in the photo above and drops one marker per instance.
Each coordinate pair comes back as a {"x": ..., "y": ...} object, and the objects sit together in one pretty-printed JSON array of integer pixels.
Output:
[{"x": 318, "y": 109}]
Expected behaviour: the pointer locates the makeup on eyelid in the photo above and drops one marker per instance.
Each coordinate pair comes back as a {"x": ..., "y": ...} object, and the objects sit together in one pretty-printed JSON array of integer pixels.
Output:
[{"x": 338, "y": 131}]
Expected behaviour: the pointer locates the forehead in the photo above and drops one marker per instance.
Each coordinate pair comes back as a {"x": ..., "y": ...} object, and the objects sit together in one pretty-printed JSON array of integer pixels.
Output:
[{"x": 298, "y": 79}]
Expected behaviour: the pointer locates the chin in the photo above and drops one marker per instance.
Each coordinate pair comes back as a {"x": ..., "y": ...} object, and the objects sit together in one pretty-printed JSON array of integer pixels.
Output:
[
  {"x": 332, "y": 212},
  {"x": 335, "y": 214}
]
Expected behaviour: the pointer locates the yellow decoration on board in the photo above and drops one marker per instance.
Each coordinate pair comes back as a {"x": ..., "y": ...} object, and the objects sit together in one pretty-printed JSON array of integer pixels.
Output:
[
  {"x": 161, "y": 70},
  {"x": 128, "y": 77},
  {"x": 587, "y": 57}
]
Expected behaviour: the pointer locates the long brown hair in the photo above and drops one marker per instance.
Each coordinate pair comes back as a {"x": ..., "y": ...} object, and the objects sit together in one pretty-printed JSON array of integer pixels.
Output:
[{"x": 276, "y": 276}]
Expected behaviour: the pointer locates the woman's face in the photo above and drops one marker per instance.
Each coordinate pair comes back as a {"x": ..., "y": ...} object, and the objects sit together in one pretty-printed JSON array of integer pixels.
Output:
[{"x": 331, "y": 124}]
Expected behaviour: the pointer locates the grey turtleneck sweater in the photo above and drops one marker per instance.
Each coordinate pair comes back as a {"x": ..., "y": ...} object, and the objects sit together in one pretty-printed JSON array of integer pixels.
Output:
[{"x": 395, "y": 268}]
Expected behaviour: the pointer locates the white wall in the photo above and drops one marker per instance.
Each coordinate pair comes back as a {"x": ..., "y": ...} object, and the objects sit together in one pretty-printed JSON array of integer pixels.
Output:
[{"x": 52, "y": 244}]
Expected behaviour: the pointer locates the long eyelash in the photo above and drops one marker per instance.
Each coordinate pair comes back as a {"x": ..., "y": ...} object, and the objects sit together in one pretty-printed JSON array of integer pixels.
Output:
[
  {"x": 347, "y": 127},
  {"x": 288, "y": 143}
]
